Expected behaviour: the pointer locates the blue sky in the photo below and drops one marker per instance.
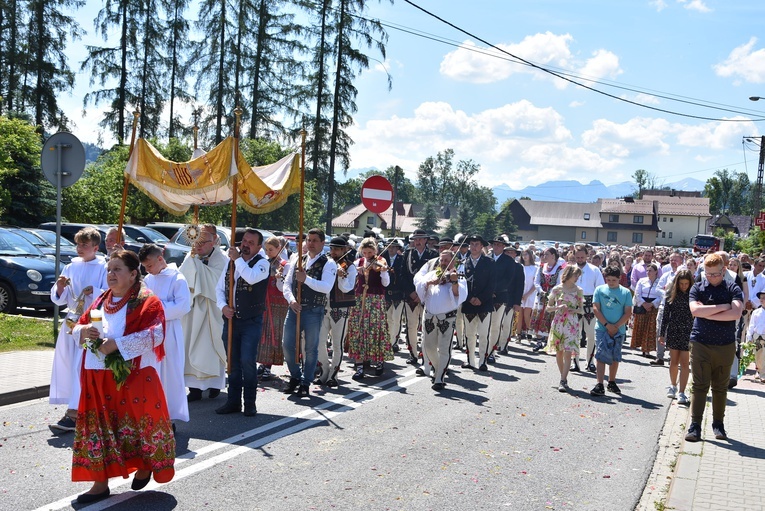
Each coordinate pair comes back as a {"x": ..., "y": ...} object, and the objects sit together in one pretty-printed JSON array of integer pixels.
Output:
[{"x": 525, "y": 127}]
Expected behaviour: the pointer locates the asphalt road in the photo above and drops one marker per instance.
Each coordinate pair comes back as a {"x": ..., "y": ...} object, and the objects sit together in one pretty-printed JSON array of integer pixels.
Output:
[{"x": 506, "y": 439}]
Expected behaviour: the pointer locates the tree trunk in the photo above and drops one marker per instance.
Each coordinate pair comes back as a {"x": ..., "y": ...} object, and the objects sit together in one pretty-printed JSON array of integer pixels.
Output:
[
  {"x": 326, "y": 4},
  {"x": 39, "y": 64},
  {"x": 221, "y": 60},
  {"x": 173, "y": 71},
  {"x": 262, "y": 25},
  {"x": 123, "y": 76},
  {"x": 335, "y": 116}
]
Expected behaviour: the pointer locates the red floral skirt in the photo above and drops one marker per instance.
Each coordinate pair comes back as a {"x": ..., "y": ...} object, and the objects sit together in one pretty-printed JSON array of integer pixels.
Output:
[{"x": 121, "y": 431}]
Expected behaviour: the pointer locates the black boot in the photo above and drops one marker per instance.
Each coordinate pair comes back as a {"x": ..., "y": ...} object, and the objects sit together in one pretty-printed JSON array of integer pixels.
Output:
[{"x": 250, "y": 393}]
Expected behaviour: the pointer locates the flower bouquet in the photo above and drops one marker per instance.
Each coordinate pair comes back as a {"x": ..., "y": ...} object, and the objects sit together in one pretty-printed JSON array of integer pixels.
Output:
[{"x": 748, "y": 350}]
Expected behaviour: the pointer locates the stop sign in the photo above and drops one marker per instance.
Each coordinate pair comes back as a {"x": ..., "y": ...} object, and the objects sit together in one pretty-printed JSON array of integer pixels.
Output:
[{"x": 377, "y": 194}]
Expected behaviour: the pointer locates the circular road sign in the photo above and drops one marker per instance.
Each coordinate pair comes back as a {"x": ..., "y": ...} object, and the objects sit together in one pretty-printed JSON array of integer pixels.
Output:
[
  {"x": 377, "y": 194},
  {"x": 72, "y": 158}
]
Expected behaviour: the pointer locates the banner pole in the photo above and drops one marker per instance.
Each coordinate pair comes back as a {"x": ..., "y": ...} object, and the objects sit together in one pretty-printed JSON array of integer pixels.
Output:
[
  {"x": 301, "y": 208},
  {"x": 232, "y": 243}
]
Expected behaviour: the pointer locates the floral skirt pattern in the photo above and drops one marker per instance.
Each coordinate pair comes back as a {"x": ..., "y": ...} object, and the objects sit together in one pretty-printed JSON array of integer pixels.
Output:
[
  {"x": 541, "y": 319},
  {"x": 368, "y": 337},
  {"x": 644, "y": 331},
  {"x": 564, "y": 333},
  {"x": 270, "y": 351},
  {"x": 121, "y": 431}
]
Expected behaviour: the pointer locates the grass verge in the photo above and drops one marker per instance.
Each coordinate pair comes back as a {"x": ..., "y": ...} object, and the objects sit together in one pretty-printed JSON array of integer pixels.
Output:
[{"x": 19, "y": 333}]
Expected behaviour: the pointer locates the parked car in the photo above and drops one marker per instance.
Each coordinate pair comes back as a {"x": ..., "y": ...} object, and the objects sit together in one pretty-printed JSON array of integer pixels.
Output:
[
  {"x": 143, "y": 234},
  {"x": 67, "y": 250},
  {"x": 240, "y": 232},
  {"x": 167, "y": 228},
  {"x": 68, "y": 230},
  {"x": 179, "y": 245},
  {"x": 26, "y": 274}
]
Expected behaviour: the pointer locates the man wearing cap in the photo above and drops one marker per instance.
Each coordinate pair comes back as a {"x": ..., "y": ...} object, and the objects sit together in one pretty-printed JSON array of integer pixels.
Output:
[
  {"x": 508, "y": 290},
  {"x": 394, "y": 295},
  {"x": 476, "y": 310},
  {"x": 341, "y": 299},
  {"x": 414, "y": 258},
  {"x": 432, "y": 242},
  {"x": 442, "y": 291}
]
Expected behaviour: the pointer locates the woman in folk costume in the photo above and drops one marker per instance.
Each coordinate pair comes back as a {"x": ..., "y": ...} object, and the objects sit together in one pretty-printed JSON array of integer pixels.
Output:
[
  {"x": 123, "y": 424},
  {"x": 648, "y": 295},
  {"x": 368, "y": 338},
  {"x": 548, "y": 276},
  {"x": 270, "y": 351},
  {"x": 82, "y": 280}
]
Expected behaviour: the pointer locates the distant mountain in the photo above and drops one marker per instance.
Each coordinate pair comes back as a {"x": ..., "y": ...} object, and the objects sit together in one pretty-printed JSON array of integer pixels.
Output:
[{"x": 574, "y": 191}]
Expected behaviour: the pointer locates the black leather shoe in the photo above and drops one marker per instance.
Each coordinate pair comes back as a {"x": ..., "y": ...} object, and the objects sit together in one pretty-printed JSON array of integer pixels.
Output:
[
  {"x": 214, "y": 393},
  {"x": 139, "y": 484},
  {"x": 291, "y": 386},
  {"x": 591, "y": 368},
  {"x": 303, "y": 391},
  {"x": 396, "y": 348},
  {"x": 483, "y": 368},
  {"x": 332, "y": 382},
  {"x": 359, "y": 374},
  {"x": 380, "y": 369},
  {"x": 467, "y": 366},
  {"x": 229, "y": 407},
  {"x": 438, "y": 386},
  {"x": 87, "y": 498},
  {"x": 412, "y": 361},
  {"x": 492, "y": 359},
  {"x": 194, "y": 395},
  {"x": 250, "y": 410},
  {"x": 420, "y": 371}
]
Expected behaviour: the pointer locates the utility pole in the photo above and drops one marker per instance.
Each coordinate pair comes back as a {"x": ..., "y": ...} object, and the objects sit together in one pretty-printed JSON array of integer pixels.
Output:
[{"x": 758, "y": 186}]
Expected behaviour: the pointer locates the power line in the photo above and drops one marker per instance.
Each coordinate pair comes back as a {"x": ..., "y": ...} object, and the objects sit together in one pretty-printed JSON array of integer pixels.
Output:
[{"x": 564, "y": 77}]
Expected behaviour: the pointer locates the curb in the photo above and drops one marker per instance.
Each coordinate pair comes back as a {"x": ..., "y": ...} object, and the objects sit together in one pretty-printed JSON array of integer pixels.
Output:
[{"x": 19, "y": 396}]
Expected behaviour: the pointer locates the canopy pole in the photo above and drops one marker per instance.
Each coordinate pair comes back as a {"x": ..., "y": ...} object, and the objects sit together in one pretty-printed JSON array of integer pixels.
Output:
[
  {"x": 231, "y": 280},
  {"x": 126, "y": 180},
  {"x": 300, "y": 242}
]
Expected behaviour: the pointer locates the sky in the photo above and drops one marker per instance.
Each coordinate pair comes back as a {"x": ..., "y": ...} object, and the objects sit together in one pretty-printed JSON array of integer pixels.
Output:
[{"x": 524, "y": 126}]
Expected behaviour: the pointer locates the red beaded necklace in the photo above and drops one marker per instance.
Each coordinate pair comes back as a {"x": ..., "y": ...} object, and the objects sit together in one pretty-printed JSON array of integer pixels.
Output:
[{"x": 114, "y": 307}]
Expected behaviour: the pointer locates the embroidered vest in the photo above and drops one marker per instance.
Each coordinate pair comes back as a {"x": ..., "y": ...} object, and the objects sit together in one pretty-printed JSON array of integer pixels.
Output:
[
  {"x": 250, "y": 298},
  {"x": 308, "y": 296}
]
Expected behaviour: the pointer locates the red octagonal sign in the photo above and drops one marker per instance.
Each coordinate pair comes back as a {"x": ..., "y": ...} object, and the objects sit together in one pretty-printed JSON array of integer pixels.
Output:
[
  {"x": 377, "y": 194},
  {"x": 761, "y": 220}
]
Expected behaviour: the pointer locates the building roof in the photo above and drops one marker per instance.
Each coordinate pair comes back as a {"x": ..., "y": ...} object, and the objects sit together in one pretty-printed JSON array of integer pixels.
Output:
[
  {"x": 627, "y": 207},
  {"x": 682, "y": 206},
  {"x": 741, "y": 224},
  {"x": 404, "y": 222},
  {"x": 564, "y": 214}
]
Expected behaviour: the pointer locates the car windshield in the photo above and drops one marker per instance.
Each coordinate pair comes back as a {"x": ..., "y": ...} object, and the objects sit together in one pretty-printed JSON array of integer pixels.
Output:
[
  {"x": 13, "y": 244},
  {"x": 30, "y": 237},
  {"x": 154, "y": 236},
  {"x": 50, "y": 237}
]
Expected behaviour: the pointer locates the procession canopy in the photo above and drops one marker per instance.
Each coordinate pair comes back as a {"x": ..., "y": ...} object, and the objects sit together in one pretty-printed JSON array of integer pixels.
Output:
[{"x": 207, "y": 180}]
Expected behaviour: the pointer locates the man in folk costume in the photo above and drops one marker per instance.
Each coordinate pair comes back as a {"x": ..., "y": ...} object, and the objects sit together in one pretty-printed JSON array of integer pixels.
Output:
[
  {"x": 169, "y": 285},
  {"x": 589, "y": 280},
  {"x": 335, "y": 323},
  {"x": 205, "y": 366},
  {"x": 414, "y": 258},
  {"x": 251, "y": 270},
  {"x": 394, "y": 296},
  {"x": 477, "y": 309},
  {"x": 316, "y": 277},
  {"x": 460, "y": 248},
  {"x": 508, "y": 291},
  {"x": 80, "y": 282},
  {"x": 441, "y": 291}
]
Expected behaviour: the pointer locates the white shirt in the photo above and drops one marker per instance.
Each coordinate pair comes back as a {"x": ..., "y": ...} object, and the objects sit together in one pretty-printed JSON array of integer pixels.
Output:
[
  {"x": 439, "y": 298},
  {"x": 590, "y": 278},
  {"x": 645, "y": 289},
  {"x": 323, "y": 286},
  {"x": 756, "y": 284},
  {"x": 257, "y": 273},
  {"x": 347, "y": 283},
  {"x": 756, "y": 324}
]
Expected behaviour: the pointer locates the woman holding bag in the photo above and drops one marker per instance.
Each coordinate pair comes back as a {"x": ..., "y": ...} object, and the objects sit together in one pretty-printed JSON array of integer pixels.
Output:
[{"x": 646, "y": 299}]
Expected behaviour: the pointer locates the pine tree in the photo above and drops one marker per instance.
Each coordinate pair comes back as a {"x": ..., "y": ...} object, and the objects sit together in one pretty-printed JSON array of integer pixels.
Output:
[
  {"x": 149, "y": 67},
  {"x": 177, "y": 47}
]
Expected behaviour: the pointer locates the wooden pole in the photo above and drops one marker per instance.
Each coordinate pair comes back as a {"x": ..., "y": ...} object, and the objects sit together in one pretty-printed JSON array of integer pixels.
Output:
[
  {"x": 196, "y": 131},
  {"x": 299, "y": 287},
  {"x": 231, "y": 280},
  {"x": 126, "y": 181}
]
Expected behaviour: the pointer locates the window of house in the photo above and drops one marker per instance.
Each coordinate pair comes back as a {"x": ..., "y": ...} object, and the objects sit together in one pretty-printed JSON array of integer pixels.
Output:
[
  {"x": 670, "y": 234},
  {"x": 637, "y": 237},
  {"x": 671, "y": 220},
  {"x": 613, "y": 218},
  {"x": 663, "y": 234},
  {"x": 584, "y": 235},
  {"x": 637, "y": 219},
  {"x": 611, "y": 236},
  {"x": 586, "y": 216},
  {"x": 372, "y": 220}
]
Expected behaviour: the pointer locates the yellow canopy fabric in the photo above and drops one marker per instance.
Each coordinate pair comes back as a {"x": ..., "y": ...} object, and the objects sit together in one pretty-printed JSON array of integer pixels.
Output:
[{"x": 208, "y": 179}]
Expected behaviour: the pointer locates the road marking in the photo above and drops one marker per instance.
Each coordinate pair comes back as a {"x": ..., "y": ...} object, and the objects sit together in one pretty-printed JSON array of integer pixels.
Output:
[{"x": 348, "y": 403}]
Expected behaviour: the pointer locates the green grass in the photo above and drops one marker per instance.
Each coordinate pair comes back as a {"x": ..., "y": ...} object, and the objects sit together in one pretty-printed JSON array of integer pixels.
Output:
[{"x": 19, "y": 333}]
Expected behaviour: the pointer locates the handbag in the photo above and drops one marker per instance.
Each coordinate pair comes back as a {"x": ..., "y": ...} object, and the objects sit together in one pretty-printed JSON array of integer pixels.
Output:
[{"x": 639, "y": 309}]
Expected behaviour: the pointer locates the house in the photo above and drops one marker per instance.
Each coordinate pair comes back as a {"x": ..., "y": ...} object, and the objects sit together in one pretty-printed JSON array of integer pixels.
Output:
[
  {"x": 681, "y": 216},
  {"x": 737, "y": 224},
  {"x": 561, "y": 221},
  {"x": 628, "y": 221},
  {"x": 358, "y": 219}
]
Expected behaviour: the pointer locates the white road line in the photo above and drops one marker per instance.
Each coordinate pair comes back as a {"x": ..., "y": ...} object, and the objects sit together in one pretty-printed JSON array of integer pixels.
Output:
[{"x": 348, "y": 405}]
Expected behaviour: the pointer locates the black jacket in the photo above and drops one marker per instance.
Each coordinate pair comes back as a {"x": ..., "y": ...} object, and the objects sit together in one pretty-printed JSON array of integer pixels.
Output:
[
  {"x": 480, "y": 285},
  {"x": 411, "y": 265},
  {"x": 394, "y": 292},
  {"x": 508, "y": 281}
]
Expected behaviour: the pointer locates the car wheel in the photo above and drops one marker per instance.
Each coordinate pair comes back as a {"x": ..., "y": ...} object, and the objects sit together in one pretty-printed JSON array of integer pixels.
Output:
[{"x": 7, "y": 299}]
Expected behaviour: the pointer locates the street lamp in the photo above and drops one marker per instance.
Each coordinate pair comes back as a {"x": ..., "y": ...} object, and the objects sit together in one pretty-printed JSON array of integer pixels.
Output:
[{"x": 755, "y": 98}]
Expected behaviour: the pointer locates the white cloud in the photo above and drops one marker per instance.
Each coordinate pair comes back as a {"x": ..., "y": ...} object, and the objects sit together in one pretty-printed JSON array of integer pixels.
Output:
[
  {"x": 576, "y": 104},
  {"x": 659, "y": 4},
  {"x": 516, "y": 141},
  {"x": 470, "y": 63},
  {"x": 744, "y": 63},
  {"x": 637, "y": 137},
  {"x": 714, "y": 135},
  {"x": 695, "y": 5}
]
